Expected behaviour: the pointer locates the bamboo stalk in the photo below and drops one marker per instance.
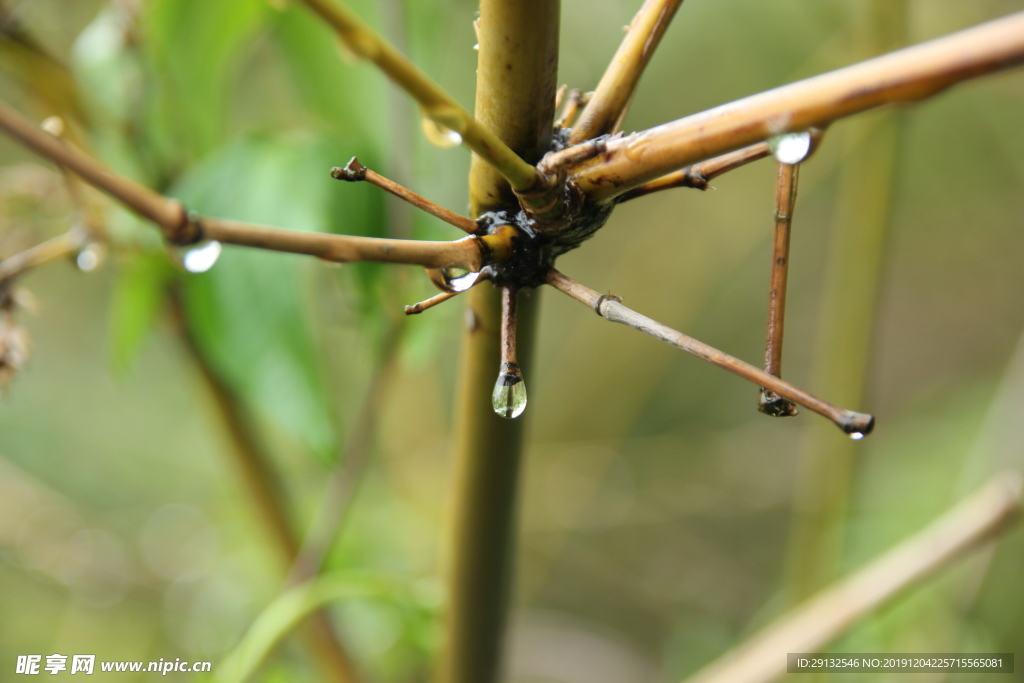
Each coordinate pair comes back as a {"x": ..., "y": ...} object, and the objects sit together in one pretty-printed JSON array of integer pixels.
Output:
[
  {"x": 615, "y": 90},
  {"x": 830, "y": 613},
  {"x": 437, "y": 104},
  {"x": 517, "y": 103},
  {"x": 262, "y": 486},
  {"x": 906, "y": 75},
  {"x": 857, "y": 425}
]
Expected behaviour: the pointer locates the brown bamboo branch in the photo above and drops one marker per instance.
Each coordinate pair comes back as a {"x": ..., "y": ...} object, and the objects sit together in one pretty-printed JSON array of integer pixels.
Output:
[
  {"x": 180, "y": 227},
  {"x": 813, "y": 625},
  {"x": 437, "y": 105},
  {"x": 700, "y": 175},
  {"x": 355, "y": 171},
  {"x": 58, "y": 247},
  {"x": 906, "y": 75},
  {"x": 615, "y": 90},
  {"x": 855, "y": 424},
  {"x": 771, "y": 403}
]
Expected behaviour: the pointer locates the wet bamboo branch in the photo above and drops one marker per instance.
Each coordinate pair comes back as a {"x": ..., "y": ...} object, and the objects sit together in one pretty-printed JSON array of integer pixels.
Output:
[
  {"x": 609, "y": 307},
  {"x": 45, "y": 252},
  {"x": 355, "y": 171},
  {"x": 821, "y": 619},
  {"x": 180, "y": 227},
  {"x": 771, "y": 403},
  {"x": 906, "y": 75},
  {"x": 615, "y": 90},
  {"x": 700, "y": 175},
  {"x": 437, "y": 105}
]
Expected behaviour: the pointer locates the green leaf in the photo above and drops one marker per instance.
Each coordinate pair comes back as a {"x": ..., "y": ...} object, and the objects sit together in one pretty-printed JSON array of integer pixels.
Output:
[
  {"x": 139, "y": 295},
  {"x": 251, "y": 313}
]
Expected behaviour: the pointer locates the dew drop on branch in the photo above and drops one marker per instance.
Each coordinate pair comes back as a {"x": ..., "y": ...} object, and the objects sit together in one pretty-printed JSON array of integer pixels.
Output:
[
  {"x": 791, "y": 148},
  {"x": 509, "y": 397},
  {"x": 90, "y": 257},
  {"x": 857, "y": 436},
  {"x": 438, "y": 135},
  {"x": 201, "y": 257}
]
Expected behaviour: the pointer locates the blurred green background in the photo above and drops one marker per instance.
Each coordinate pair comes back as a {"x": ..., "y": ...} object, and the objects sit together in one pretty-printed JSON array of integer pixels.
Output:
[{"x": 657, "y": 523}]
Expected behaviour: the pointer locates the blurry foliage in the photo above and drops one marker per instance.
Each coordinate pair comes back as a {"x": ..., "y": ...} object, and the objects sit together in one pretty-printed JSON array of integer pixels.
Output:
[{"x": 656, "y": 499}]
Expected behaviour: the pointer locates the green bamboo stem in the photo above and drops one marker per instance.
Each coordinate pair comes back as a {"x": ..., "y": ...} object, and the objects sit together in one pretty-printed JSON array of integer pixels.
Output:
[{"x": 517, "y": 103}]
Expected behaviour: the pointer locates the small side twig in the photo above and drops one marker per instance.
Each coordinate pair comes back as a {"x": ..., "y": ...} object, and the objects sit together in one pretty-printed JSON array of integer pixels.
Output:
[
  {"x": 613, "y": 94},
  {"x": 769, "y": 402},
  {"x": 700, "y": 175},
  {"x": 52, "y": 249},
  {"x": 573, "y": 103},
  {"x": 853, "y": 423},
  {"x": 824, "y": 617},
  {"x": 355, "y": 171}
]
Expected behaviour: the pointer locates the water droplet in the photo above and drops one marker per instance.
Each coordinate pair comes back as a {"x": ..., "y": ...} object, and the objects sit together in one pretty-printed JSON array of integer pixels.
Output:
[
  {"x": 464, "y": 282},
  {"x": 438, "y": 135},
  {"x": 201, "y": 257},
  {"x": 791, "y": 148},
  {"x": 90, "y": 257},
  {"x": 509, "y": 397},
  {"x": 476, "y": 46},
  {"x": 856, "y": 436}
]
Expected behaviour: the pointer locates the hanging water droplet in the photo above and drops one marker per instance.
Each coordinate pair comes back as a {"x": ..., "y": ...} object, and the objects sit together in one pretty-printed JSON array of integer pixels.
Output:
[
  {"x": 791, "y": 148},
  {"x": 201, "y": 257},
  {"x": 438, "y": 135},
  {"x": 476, "y": 46},
  {"x": 90, "y": 257},
  {"x": 509, "y": 397},
  {"x": 464, "y": 282},
  {"x": 856, "y": 436}
]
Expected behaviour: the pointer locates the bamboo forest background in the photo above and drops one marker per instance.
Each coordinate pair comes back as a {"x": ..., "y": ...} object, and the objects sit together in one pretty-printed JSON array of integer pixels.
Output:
[{"x": 657, "y": 513}]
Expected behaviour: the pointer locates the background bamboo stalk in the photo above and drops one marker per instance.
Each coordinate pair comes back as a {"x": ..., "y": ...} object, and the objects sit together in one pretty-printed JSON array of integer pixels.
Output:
[
  {"x": 515, "y": 99},
  {"x": 830, "y": 613}
]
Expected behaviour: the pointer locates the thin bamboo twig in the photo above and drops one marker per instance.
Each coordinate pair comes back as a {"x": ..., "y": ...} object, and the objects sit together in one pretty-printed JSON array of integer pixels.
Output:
[
  {"x": 437, "y": 104},
  {"x": 45, "y": 252},
  {"x": 906, "y": 75},
  {"x": 700, "y": 175},
  {"x": 181, "y": 227},
  {"x": 769, "y": 402},
  {"x": 355, "y": 171},
  {"x": 855, "y": 424},
  {"x": 572, "y": 106},
  {"x": 262, "y": 486},
  {"x": 822, "y": 618},
  {"x": 615, "y": 90}
]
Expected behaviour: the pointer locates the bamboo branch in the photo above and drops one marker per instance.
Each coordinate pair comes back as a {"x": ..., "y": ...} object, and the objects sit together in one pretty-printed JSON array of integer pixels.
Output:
[
  {"x": 906, "y": 75},
  {"x": 181, "y": 227},
  {"x": 45, "y": 252},
  {"x": 355, "y": 171},
  {"x": 857, "y": 425},
  {"x": 832, "y": 612},
  {"x": 700, "y": 175},
  {"x": 437, "y": 105},
  {"x": 771, "y": 403},
  {"x": 615, "y": 90}
]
